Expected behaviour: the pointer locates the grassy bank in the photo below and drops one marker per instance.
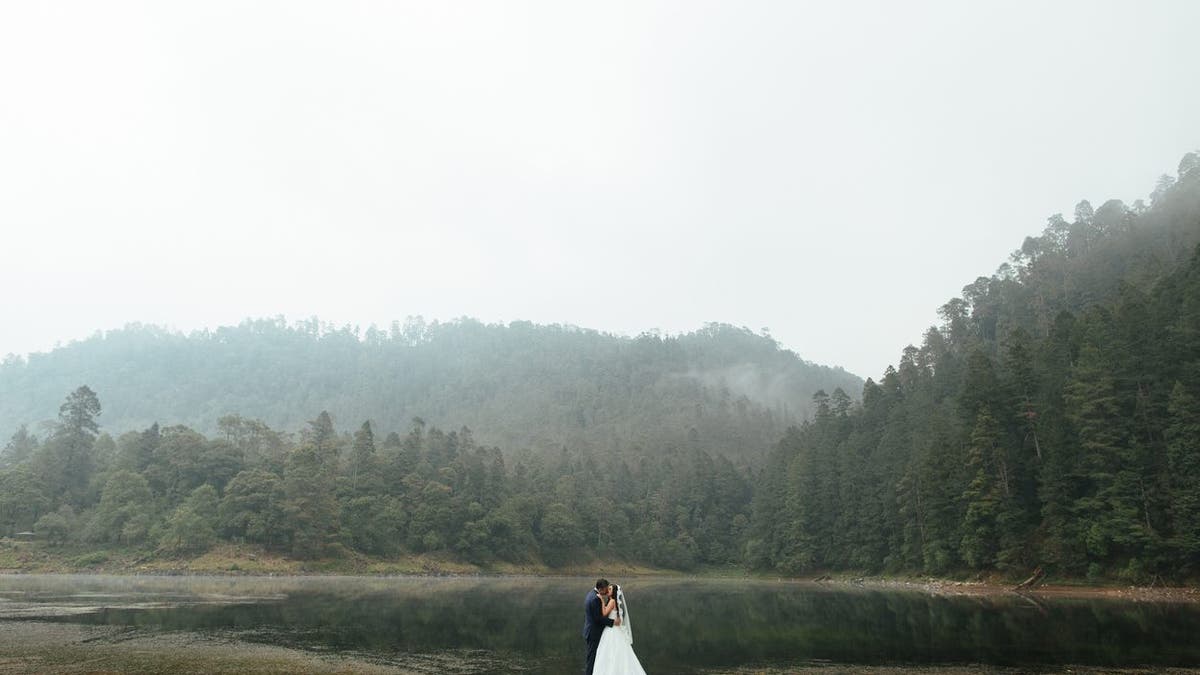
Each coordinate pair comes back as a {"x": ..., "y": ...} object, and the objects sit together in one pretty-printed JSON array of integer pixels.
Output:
[{"x": 35, "y": 557}]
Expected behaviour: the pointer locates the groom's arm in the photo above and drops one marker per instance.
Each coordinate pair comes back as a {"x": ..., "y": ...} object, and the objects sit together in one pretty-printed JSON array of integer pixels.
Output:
[{"x": 596, "y": 616}]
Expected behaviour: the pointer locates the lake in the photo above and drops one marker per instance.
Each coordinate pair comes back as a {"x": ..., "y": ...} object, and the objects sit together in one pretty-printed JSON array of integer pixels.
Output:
[{"x": 496, "y": 624}]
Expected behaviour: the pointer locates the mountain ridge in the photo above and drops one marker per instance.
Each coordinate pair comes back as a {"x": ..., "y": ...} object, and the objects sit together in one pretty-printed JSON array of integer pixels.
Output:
[{"x": 521, "y": 385}]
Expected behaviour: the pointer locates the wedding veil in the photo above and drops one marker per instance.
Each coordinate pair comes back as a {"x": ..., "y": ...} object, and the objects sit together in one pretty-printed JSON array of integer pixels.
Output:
[{"x": 625, "y": 627}]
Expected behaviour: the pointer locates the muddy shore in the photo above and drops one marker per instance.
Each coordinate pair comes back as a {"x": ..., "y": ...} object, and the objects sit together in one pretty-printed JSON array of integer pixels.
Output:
[
  {"x": 36, "y": 647},
  {"x": 244, "y": 560},
  {"x": 1187, "y": 594}
]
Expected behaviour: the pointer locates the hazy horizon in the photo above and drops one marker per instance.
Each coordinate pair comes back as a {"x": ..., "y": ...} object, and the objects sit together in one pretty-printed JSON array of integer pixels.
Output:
[
  {"x": 361, "y": 330},
  {"x": 832, "y": 173}
]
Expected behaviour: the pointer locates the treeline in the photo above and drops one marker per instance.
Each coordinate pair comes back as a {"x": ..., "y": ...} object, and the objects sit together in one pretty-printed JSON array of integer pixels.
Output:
[
  {"x": 171, "y": 490},
  {"x": 519, "y": 385},
  {"x": 1052, "y": 420}
]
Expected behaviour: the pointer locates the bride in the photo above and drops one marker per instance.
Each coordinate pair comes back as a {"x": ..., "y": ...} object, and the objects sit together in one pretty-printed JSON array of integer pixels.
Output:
[{"x": 615, "y": 654}]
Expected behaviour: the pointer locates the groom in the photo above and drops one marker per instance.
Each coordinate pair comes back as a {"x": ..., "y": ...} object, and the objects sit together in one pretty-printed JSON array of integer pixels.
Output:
[{"x": 595, "y": 622}]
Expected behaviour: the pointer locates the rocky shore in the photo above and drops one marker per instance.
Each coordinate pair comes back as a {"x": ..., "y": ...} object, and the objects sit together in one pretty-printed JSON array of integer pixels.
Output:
[{"x": 1187, "y": 594}]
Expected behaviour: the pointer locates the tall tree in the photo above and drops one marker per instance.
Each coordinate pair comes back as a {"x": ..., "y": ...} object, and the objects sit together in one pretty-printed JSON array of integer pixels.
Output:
[
  {"x": 69, "y": 463},
  {"x": 309, "y": 506},
  {"x": 19, "y": 448},
  {"x": 192, "y": 526},
  {"x": 1183, "y": 456},
  {"x": 364, "y": 465}
]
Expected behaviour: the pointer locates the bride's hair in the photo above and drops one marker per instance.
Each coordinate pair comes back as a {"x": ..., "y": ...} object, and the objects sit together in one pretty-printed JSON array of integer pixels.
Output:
[{"x": 616, "y": 589}]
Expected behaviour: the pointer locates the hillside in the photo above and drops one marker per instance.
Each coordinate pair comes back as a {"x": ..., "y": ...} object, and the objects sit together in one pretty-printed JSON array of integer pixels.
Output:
[
  {"x": 720, "y": 389},
  {"x": 1052, "y": 420}
]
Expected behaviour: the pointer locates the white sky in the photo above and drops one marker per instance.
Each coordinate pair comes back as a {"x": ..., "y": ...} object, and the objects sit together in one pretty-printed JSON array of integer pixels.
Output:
[{"x": 833, "y": 171}]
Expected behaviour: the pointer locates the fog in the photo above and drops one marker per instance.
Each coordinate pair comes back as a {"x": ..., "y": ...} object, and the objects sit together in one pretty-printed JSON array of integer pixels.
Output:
[{"x": 830, "y": 171}]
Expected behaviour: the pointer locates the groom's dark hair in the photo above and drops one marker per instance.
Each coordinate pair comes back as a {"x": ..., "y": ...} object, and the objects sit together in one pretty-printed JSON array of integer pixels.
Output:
[{"x": 601, "y": 583}]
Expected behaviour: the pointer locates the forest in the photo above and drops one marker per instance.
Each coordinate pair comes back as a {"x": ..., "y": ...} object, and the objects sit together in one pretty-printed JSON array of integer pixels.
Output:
[
  {"x": 1051, "y": 420},
  {"x": 173, "y": 491},
  {"x": 520, "y": 386}
]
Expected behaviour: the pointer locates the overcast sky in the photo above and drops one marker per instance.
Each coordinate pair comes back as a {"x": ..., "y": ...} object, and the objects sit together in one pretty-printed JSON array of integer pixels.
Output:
[{"x": 833, "y": 171}]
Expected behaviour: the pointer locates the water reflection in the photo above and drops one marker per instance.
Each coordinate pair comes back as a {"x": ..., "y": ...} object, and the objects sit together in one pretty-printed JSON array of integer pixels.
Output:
[{"x": 680, "y": 626}]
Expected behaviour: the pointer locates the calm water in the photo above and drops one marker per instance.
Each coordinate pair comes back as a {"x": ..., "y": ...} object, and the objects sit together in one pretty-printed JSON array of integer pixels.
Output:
[{"x": 679, "y": 626}]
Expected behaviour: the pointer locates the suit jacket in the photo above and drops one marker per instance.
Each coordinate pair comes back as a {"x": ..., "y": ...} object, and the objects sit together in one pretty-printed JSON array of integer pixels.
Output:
[{"x": 594, "y": 621}]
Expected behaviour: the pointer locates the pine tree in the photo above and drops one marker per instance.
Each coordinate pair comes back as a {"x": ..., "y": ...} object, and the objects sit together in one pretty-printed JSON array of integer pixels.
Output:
[
  {"x": 19, "y": 448},
  {"x": 309, "y": 506},
  {"x": 364, "y": 466},
  {"x": 984, "y": 494},
  {"x": 1108, "y": 507},
  {"x": 69, "y": 465},
  {"x": 1183, "y": 457}
]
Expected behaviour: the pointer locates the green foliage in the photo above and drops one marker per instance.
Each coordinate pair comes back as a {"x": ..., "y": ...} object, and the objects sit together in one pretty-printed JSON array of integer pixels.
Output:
[
  {"x": 1049, "y": 421},
  {"x": 90, "y": 559},
  {"x": 985, "y": 494},
  {"x": 251, "y": 509},
  {"x": 57, "y": 526},
  {"x": 19, "y": 448},
  {"x": 66, "y": 463},
  {"x": 309, "y": 508},
  {"x": 520, "y": 385},
  {"x": 77, "y": 415},
  {"x": 191, "y": 527},
  {"x": 1183, "y": 471},
  {"x": 126, "y": 510},
  {"x": 433, "y": 491},
  {"x": 23, "y": 499},
  {"x": 561, "y": 533}
]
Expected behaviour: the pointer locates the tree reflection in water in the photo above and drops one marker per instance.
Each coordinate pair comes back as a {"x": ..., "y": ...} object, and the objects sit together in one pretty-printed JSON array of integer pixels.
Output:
[{"x": 680, "y": 625}]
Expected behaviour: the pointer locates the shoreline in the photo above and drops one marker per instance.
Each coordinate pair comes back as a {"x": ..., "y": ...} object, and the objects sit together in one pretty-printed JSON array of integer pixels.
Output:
[
  {"x": 949, "y": 588},
  {"x": 29, "y": 647},
  {"x": 36, "y": 644},
  {"x": 932, "y": 587},
  {"x": 234, "y": 561}
]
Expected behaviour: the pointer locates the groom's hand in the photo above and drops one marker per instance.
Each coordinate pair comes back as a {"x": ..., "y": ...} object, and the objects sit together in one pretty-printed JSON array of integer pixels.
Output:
[{"x": 617, "y": 621}]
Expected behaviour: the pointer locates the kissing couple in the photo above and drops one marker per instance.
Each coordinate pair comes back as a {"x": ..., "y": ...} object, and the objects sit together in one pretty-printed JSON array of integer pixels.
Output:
[{"x": 607, "y": 632}]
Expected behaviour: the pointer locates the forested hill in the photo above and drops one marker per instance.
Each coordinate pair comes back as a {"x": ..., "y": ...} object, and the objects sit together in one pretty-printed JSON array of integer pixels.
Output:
[
  {"x": 1052, "y": 420},
  {"x": 720, "y": 389}
]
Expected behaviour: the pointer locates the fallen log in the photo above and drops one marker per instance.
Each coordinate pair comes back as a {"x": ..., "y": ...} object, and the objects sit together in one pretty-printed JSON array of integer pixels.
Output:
[{"x": 1036, "y": 578}]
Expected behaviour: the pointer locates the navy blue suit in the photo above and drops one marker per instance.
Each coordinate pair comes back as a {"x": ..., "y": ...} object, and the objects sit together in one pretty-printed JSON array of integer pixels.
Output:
[{"x": 594, "y": 624}]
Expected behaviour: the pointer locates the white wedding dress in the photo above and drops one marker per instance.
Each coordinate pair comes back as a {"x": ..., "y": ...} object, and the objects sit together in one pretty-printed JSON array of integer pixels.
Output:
[{"x": 615, "y": 654}]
